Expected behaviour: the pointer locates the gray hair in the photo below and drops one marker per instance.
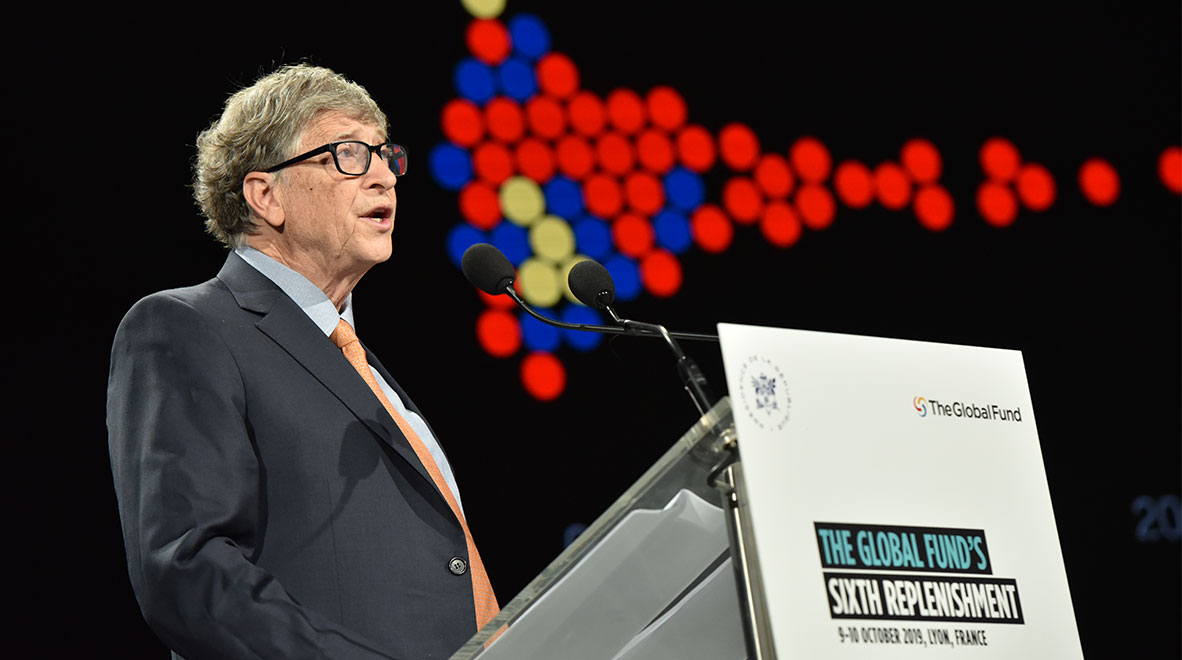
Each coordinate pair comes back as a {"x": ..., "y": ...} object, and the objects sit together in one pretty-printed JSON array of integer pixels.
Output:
[{"x": 261, "y": 126}]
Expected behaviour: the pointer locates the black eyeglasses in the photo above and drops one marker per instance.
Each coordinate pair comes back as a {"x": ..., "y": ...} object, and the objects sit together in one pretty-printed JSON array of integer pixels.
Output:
[{"x": 352, "y": 157}]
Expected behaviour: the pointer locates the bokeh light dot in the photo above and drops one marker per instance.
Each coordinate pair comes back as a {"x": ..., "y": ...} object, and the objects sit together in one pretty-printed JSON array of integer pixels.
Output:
[
  {"x": 684, "y": 189},
  {"x": 479, "y": 205},
  {"x": 463, "y": 123},
  {"x": 625, "y": 111},
  {"x": 505, "y": 119},
  {"x": 1000, "y": 159},
  {"x": 488, "y": 40},
  {"x": 484, "y": 8},
  {"x": 528, "y": 35},
  {"x": 661, "y": 273},
  {"x": 644, "y": 193},
  {"x": 633, "y": 235},
  {"x": 493, "y": 162},
  {"x": 536, "y": 335},
  {"x": 854, "y": 184},
  {"x": 742, "y": 200},
  {"x": 934, "y": 207},
  {"x": 816, "y": 206},
  {"x": 773, "y": 176},
  {"x": 738, "y": 146},
  {"x": 474, "y": 80},
  {"x": 557, "y": 75},
  {"x": 545, "y": 116},
  {"x": 593, "y": 237},
  {"x": 540, "y": 285},
  {"x": 512, "y": 241},
  {"x": 673, "y": 231},
  {"x": 450, "y": 165},
  {"x": 521, "y": 200},
  {"x": 498, "y": 301},
  {"x": 1169, "y": 168},
  {"x": 626, "y": 275},
  {"x": 666, "y": 108},
  {"x": 461, "y": 237},
  {"x": 587, "y": 114},
  {"x": 551, "y": 238},
  {"x": 997, "y": 204},
  {"x": 535, "y": 159},
  {"x": 563, "y": 196},
  {"x": 576, "y": 159},
  {"x": 654, "y": 150},
  {"x": 517, "y": 79},
  {"x": 1036, "y": 187},
  {"x": 711, "y": 229},
  {"x": 921, "y": 159},
  {"x": 810, "y": 158},
  {"x": 602, "y": 195},
  {"x": 695, "y": 148},
  {"x": 779, "y": 225},
  {"x": 543, "y": 376},
  {"x": 614, "y": 153},
  {"x": 498, "y": 332},
  {"x": 1099, "y": 182},
  {"x": 581, "y": 340},
  {"x": 892, "y": 186}
]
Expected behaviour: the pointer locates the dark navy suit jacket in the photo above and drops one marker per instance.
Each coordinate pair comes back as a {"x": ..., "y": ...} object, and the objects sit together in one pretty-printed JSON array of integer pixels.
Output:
[{"x": 270, "y": 506}]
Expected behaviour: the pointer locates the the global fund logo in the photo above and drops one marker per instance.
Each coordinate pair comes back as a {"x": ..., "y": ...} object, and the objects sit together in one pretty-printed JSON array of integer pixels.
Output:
[{"x": 929, "y": 407}]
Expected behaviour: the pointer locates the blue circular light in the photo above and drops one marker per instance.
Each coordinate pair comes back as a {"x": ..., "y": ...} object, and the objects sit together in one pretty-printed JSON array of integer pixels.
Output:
[
  {"x": 581, "y": 340},
  {"x": 529, "y": 35},
  {"x": 537, "y": 335},
  {"x": 564, "y": 198},
  {"x": 460, "y": 238},
  {"x": 593, "y": 237},
  {"x": 684, "y": 189},
  {"x": 673, "y": 231},
  {"x": 626, "y": 274},
  {"x": 474, "y": 81},
  {"x": 450, "y": 166},
  {"x": 517, "y": 79},
  {"x": 513, "y": 241}
]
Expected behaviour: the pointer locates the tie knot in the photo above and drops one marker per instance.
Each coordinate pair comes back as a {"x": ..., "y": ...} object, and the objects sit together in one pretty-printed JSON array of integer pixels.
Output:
[{"x": 343, "y": 335}]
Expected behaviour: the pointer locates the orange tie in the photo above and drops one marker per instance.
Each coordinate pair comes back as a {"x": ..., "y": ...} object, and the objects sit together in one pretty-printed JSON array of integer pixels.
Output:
[{"x": 482, "y": 591}]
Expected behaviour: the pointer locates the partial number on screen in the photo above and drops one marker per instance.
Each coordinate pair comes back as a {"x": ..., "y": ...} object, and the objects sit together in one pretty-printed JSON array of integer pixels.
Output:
[{"x": 1157, "y": 518}]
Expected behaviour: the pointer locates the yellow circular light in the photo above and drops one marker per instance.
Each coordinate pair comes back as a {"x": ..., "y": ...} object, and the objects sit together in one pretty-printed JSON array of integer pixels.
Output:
[
  {"x": 564, "y": 275},
  {"x": 521, "y": 200},
  {"x": 551, "y": 238},
  {"x": 484, "y": 8},
  {"x": 540, "y": 285}
]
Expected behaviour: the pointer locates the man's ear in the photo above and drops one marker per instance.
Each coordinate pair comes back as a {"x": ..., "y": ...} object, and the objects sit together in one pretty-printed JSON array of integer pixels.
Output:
[{"x": 261, "y": 193}]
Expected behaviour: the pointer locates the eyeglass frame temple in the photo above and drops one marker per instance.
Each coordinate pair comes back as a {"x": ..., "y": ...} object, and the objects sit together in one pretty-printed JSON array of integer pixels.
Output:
[{"x": 330, "y": 148}]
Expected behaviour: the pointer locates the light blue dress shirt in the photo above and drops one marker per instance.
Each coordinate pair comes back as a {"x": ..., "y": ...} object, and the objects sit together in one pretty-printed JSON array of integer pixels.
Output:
[{"x": 324, "y": 314}]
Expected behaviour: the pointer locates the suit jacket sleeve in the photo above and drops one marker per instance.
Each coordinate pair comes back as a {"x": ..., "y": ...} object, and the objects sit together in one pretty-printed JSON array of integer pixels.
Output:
[{"x": 187, "y": 477}]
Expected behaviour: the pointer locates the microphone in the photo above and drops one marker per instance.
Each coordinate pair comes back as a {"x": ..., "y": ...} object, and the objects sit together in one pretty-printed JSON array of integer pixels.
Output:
[
  {"x": 488, "y": 269},
  {"x": 594, "y": 287}
]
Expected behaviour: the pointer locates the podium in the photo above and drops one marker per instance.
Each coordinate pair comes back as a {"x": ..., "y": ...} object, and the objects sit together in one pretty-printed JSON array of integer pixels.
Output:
[{"x": 665, "y": 572}]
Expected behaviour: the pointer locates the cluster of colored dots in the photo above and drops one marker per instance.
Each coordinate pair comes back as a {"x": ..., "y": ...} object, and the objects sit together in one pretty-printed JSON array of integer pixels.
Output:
[{"x": 551, "y": 174}]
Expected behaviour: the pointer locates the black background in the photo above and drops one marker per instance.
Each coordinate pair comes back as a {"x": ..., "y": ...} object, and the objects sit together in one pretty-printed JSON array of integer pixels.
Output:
[{"x": 1091, "y": 296}]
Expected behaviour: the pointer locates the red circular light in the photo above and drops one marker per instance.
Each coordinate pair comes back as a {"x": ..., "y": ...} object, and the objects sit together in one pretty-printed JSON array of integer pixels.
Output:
[
  {"x": 742, "y": 200},
  {"x": 660, "y": 272},
  {"x": 498, "y": 332},
  {"x": 779, "y": 224},
  {"x": 854, "y": 184},
  {"x": 633, "y": 235},
  {"x": 921, "y": 160},
  {"x": 695, "y": 148},
  {"x": 773, "y": 176},
  {"x": 557, "y": 75},
  {"x": 933, "y": 207},
  {"x": 614, "y": 153},
  {"x": 463, "y": 123},
  {"x": 625, "y": 110},
  {"x": 492, "y": 162},
  {"x": 603, "y": 196},
  {"x": 892, "y": 186},
  {"x": 535, "y": 159},
  {"x": 505, "y": 120},
  {"x": 997, "y": 204},
  {"x": 654, "y": 150},
  {"x": 1036, "y": 187},
  {"x": 575, "y": 157},
  {"x": 1099, "y": 182},
  {"x": 711, "y": 229},
  {"x": 1169, "y": 168},
  {"x": 644, "y": 193},
  {"x": 816, "y": 206},
  {"x": 545, "y": 117},
  {"x": 488, "y": 40},
  {"x": 479, "y": 205},
  {"x": 1000, "y": 159},
  {"x": 811, "y": 159},
  {"x": 587, "y": 114},
  {"x": 543, "y": 376},
  {"x": 497, "y": 302},
  {"x": 738, "y": 146},
  {"x": 666, "y": 108}
]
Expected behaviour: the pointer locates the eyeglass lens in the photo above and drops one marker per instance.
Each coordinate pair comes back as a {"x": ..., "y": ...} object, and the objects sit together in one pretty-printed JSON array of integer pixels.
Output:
[{"x": 353, "y": 157}]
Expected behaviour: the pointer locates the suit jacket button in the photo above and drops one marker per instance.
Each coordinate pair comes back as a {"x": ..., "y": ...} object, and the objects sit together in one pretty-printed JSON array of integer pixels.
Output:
[{"x": 457, "y": 566}]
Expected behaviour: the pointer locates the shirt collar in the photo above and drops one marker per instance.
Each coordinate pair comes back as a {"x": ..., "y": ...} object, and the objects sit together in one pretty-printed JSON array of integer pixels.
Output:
[{"x": 306, "y": 295}]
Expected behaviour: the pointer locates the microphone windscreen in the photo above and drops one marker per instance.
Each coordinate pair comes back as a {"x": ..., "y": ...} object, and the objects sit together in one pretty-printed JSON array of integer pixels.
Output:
[
  {"x": 487, "y": 268},
  {"x": 592, "y": 284}
]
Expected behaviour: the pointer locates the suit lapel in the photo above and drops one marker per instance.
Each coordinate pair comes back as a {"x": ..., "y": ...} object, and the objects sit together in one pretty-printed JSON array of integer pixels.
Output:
[{"x": 289, "y": 327}]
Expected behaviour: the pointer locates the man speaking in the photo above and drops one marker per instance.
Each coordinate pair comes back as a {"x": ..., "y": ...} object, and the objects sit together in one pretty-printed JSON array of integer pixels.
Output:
[{"x": 280, "y": 494}]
